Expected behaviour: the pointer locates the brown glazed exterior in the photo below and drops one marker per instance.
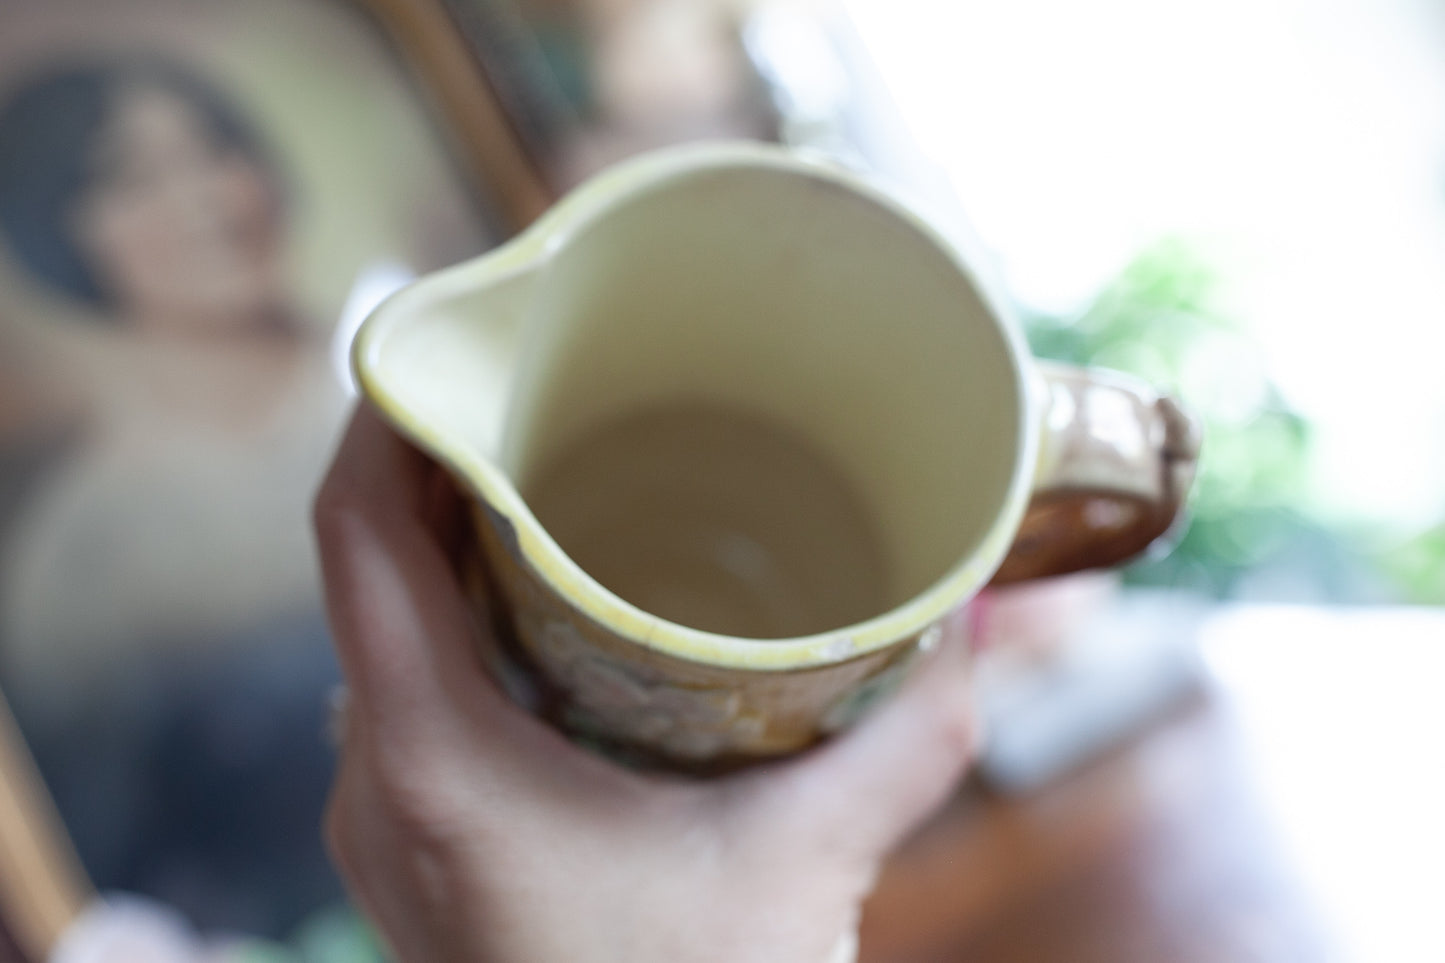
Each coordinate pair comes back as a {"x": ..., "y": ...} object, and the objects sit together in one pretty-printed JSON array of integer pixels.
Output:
[{"x": 645, "y": 706}]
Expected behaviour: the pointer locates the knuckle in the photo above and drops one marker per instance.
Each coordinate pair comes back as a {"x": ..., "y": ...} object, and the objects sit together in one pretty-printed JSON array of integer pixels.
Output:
[
  {"x": 416, "y": 801},
  {"x": 394, "y": 801},
  {"x": 337, "y": 831},
  {"x": 333, "y": 509}
]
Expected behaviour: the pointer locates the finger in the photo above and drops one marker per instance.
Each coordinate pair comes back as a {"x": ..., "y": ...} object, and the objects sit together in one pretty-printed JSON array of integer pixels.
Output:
[
  {"x": 867, "y": 789},
  {"x": 402, "y": 628},
  {"x": 360, "y": 846},
  {"x": 407, "y": 636}
]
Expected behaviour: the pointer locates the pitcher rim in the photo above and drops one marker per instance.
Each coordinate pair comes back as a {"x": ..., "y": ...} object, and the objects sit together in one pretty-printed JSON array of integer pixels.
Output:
[{"x": 531, "y": 250}]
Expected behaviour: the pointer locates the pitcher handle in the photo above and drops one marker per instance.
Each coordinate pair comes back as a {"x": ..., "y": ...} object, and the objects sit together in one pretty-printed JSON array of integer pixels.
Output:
[{"x": 1116, "y": 461}]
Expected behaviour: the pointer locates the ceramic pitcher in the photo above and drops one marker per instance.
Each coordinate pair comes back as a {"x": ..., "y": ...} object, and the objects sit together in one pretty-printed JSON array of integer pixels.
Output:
[{"x": 788, "y": 288}]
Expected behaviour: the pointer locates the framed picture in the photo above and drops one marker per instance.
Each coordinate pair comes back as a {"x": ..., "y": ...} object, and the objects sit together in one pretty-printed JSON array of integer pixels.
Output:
[
  {"x": 42, "y": 886},
  {"x": 198, "y": 199}
]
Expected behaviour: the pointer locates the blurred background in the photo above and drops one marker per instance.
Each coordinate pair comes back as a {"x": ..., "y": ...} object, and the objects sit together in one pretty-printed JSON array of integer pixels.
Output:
[{"x": 1232, "y": 750}]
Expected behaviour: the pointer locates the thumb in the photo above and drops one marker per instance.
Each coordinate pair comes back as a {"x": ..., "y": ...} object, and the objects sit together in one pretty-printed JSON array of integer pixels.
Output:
[{"x": 867, "y": 789}]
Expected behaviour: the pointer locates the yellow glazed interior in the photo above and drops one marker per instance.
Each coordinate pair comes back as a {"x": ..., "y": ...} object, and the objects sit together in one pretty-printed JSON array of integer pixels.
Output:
[{"x": 741, "y": 275}]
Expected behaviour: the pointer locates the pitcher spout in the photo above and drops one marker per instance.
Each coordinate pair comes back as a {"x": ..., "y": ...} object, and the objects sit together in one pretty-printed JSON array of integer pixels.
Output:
[{"x": 439, "y": 356}]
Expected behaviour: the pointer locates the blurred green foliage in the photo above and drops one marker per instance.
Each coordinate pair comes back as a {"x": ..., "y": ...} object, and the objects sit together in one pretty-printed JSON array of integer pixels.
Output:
[
  {"x": 1252, "y": 531},
  {"x": 1417, "y": 565},
  {"x": 337, "y": 934}
]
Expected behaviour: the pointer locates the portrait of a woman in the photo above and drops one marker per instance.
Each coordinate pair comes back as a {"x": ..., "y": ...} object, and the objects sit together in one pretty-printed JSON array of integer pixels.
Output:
[{"x": 158, "y": 627}]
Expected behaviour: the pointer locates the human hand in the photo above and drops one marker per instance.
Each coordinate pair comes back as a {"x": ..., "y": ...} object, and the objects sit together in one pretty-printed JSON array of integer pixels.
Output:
[{"x": 472, "y": 832}]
